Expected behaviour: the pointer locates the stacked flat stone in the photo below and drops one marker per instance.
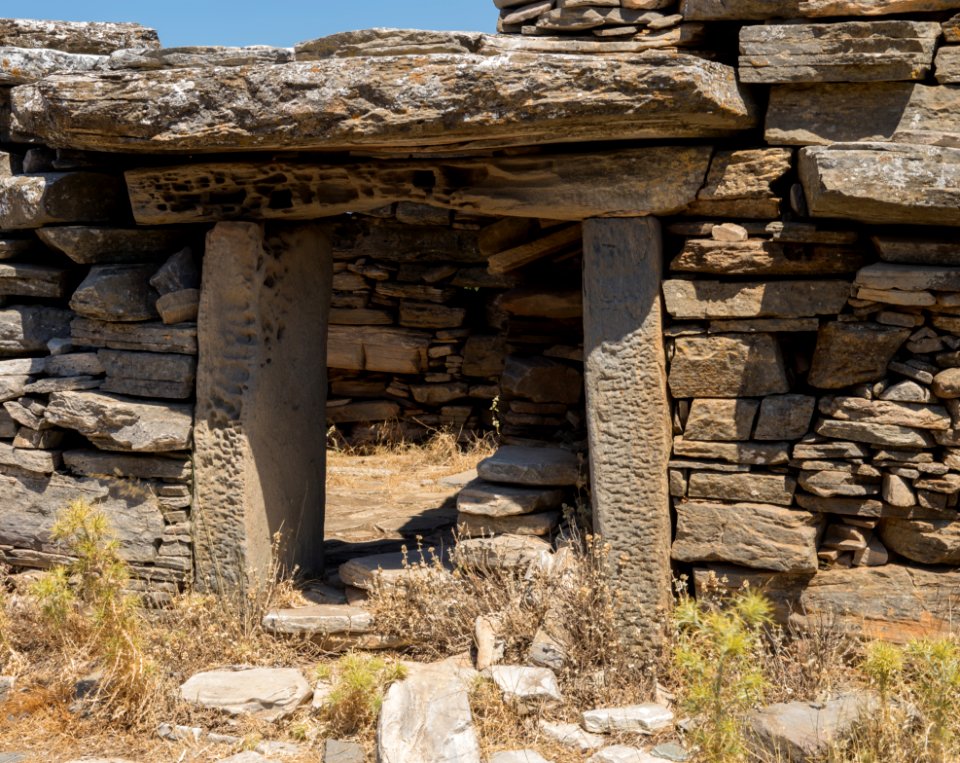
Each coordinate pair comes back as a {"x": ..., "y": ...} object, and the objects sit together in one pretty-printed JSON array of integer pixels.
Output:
[
  {"x": 421, "y": 332},
  {"x": 507, "y": 516},
  {"x": 645, "y": 23}
]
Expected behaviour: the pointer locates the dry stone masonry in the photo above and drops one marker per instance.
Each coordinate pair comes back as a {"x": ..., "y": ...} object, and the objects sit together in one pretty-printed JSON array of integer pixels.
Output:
[{"x": 211, "y": 257}]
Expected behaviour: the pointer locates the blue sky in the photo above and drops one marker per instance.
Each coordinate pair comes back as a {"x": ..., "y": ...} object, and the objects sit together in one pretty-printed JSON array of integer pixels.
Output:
[{"x": 263, "y": 22}]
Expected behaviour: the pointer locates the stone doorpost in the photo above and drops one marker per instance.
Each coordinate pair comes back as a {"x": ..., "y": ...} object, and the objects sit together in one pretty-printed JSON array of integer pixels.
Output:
[
  {"x": 628, "y": 414},
  {"x": 259, "y": 437}
]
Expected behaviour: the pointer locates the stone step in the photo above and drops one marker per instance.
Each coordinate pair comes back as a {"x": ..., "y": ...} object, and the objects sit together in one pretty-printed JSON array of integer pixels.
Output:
[
  {"x": 318, "y": 619},
  {"x": 519, "y": 465},
  {"x": 488, "y": 499},
  {"x": 391, "y": 568}
]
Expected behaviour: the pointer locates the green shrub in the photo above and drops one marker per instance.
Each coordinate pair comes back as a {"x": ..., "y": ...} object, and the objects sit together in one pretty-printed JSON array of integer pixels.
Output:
[{"x": 359, "y": 683}]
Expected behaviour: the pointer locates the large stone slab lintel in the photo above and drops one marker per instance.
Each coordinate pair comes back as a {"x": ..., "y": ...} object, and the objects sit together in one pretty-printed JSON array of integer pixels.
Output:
[
  {"x": 261, "y": 390},
  {"x": 405, "y": 101},
  {"x": 628, "y": 415},
  {"x": 569, "y": 186}
]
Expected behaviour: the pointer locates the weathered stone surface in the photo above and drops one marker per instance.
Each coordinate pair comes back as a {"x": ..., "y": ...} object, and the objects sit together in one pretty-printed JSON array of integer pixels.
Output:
[
  {"x": 929, "y": 541},
  {"x": 661, "y": 181},
  {"x": 388, "y": 569},
  {"x": 570, "y": 735},
  {"x": 32, "y": 201},
  {"x": 916, "y": 415},
  {"x": 902, "y": 112},
  {"x": 764, "y": 325},
  {"x": 425, "y": 315},
  {"x": 541, "y": 380},
  {"x": 752, "y": 535},
  {"x": 946, "y": 384},
  {"x": 367, "y": 410},
  {"x": 337, "y": 751},
  {"x": 92, "y": 245},
  {"x": 628, "y": 414},
  {"x": 727, "y": 365},
  {"x": 148, "y": 337},
  {"x": 516, "y": 465},
  {"x": 100, "y": 38},
  {"x": 887, "y": 275},
  {"x": 318, "y": 619},
  {"x": 371, "y": 348},
  {"x": 112, "y": 422},
  {"x": 948, "y": 65},
  {"x": 504, "y": 98},
  {"x": 503, "y": 553},
  {"x": 907, "y": 392},
  {"x": 806, "y": 730},
  {"x": 911, "y": 251},
  {"x": 884, "y": 183},
  {"x": 21, "y": 65},
  {"x": 784, "y": 417},
  {"x": 893, "y": 602},
  {"x": 739, "y": 184},
  {"x": 696, "y": 300},
  {"x": 179, "y": 272},
  {"x": 179, "y": 306},
  {"x": 853, "y": 353},
  {"x": 38, "y": 461},
  {"x": 30, "y": 503},
  {"x": 775, "y": 489},
  {"x": 474, "y": 525},
  {"x": 487, "y": 499},
  {"x": 25, "y": 280},
  {"x": 144, "y": 59},
  {"x": 266, "y": 693},
  {"x": 259, "y": 444},
  {"x": 483, "y": 355},
  {"x": 95, "y": 463},
  {"x": 832, "y": 484},
  {"x": 885, "y": 435},
  {"x": 761, "y": 10},
  {"x": 117, "y": 293},
  {"x": 149, "y": 374},
  {"x": 426, "y": 717},
  {"x": 29, "y": 328},
  {"x": 764, "y": 257},
  {"x": 734, "y": 452},
  {"x": 642, "y": 719},
  {"x": 850, "y": 51},
  {"x": 718, "y": 419}
]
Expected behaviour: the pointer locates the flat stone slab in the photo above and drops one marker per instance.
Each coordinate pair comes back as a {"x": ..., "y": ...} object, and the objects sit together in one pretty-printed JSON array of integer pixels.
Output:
[
  {"x": 570, "y": 735},
  {"x": 426, "y": 718},
  {"x": 473, "y": 525},
  {"x": 149, "y": 337},
  {"x": 189, "y": 57},
  {"x": 761, "y": 10},
  {"x": 112, "y": 422},
  {"x": 853, "y": 353},
  {"x": 267, "y": 693},
  {"x": 805, "y": 730},
  {"x": 119, "y": 293},
  {"x": 883, "y": 183},
  {"x": 728, "y": 366},
  {"x": 92, "y": 37},
  {"x": 503, "y": 552},
  {"x": 517, "y": 465},
  {"x": 88, "y": 245},
  {"x": 696, "y": 300},
  {"x": 21, "y": 65},
  {"x": 319, "y": 619},
  {"x": 760, "y": 536},
  {"x": 849, "y": 51},
  {"x": 489, "y": 499},
  {"x": 507, "y": 98},
  {"x": 643, "y": 719},
  {"x": 32, "y": 201},
  {"x": 390, "y": 569}
]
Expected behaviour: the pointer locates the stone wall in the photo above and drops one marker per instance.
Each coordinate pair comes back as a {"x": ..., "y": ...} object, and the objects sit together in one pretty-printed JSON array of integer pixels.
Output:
[
  {"x": 98, "y": 342},
  {"x": 424, "y": 337}
]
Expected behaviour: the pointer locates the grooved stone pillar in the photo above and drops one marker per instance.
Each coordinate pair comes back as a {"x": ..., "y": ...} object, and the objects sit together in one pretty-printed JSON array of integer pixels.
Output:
[
  {"x": 628, "y": 414},
  {"x": 261, "y": 397}
]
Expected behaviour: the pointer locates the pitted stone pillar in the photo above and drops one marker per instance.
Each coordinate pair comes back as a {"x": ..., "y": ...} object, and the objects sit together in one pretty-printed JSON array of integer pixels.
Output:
[
  {"x": 261, "y": 398},
  {"x": 628, "y": 414}
]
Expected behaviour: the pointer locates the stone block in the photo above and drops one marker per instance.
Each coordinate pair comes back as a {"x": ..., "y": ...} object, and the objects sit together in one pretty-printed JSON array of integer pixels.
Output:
[
  {"x": 21, "y": 65},
  {"x": 697, "y": 300},
  {"x": 719, "y": 419},
  {"x": 785, "y": 417},
  {"x": 431, "y": 316},
  {"x": 147, "y": 337},
  {"x": 149, "y": 374},
  {"x": 516, "y": 465},
  {"x": 179, "y": 306},
  {"x": 541, "y": 380},
  {"x": 32, "y": 201},
  {"x": 917, "y": 415},
  {"x": 90, "y": 245},
  {"x": 928, "y": 541},
  {"x": 777, "y": 489},
  {"x": 853, "y": 353},
  {"x": 727, "y": 365},
  {"x": 96, "y": 38},
  {"x": 26, "y": 329},
  {"x": 266, "y": 693},
  {"x": 761, "y": 10},
  {"x": 849, "y": 51},
  {"x": 118, "y": 293},
  {"x": 26, "y": 280},
  {"x": 637, "y": 719},
  {"x": 474, "y": 525},
  {"x": 734, "y": 452},
  {"x": 751, "y": 535},
  {"x": 484, "y": 355},
  {"x": 948, "y": 65},
  {"x": 765, "y": 257},
  {"x": 95, "y": 463},
  {"x": 487, "y": 499},
  {"x": 739, "y": 184},
  {"x": 884, "y": 435},
  {"x": 371, "y": 348}
]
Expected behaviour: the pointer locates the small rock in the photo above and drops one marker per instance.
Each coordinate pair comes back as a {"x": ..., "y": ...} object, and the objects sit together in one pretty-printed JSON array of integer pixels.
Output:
[
  {"x": 946, "y": 384},
  {"x": 670, "y": 751},
  {"x": 7, "y": 684},
  {"x": 338, "y": 751},
  {"x": 319, "y": 619},
  {"x": 728, "y": 232},
  {"x": 489, "y": 646},
  {"x": 570, "y": 735},
  {"x": 524, "y": 685},
  {"x": 620, "y": 753},
  {"x": 391, "y": 568},
  {"x": 546, "y": 651},
  {"x": 268, "y": 693},
  {"x": 644, "y": 719},
  {"x": 503, "y": 552}
]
